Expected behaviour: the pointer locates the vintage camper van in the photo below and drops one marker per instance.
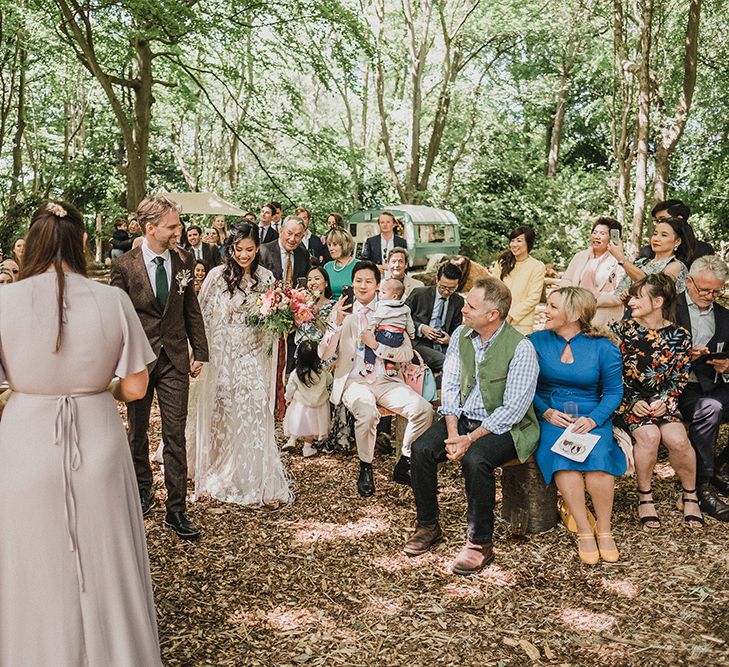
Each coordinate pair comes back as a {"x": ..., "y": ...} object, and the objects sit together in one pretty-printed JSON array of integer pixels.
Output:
[{"x": 428, "y": 231}]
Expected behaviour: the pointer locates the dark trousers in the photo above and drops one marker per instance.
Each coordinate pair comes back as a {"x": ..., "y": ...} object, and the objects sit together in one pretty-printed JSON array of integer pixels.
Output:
[
  {"x": 172, "y": 388},
  {"x": 478, "y": 464},
  {"x": 705, "y": 413},
  {"x": 432, "y": 357},
  {"x": 385, "y": 337}
]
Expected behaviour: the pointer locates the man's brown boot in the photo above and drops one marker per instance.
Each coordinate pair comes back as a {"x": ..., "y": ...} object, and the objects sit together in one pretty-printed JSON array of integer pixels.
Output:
[
  {"x": 422, "y": 539},
  {"x": 473, "y": 557}
]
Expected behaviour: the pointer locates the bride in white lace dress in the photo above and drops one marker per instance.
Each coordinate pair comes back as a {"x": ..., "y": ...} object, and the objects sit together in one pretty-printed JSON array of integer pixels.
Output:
[{"x": 231, "y": 420}]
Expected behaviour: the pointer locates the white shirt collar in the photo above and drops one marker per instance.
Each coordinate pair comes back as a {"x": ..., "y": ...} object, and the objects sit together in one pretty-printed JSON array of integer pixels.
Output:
[
  {"x": 690, "y": 303},
  {"x": 149, "y": 254}
]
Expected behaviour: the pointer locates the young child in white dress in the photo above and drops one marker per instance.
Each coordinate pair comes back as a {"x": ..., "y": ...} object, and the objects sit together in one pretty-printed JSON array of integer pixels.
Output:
[{"x": 307, "y": 397}]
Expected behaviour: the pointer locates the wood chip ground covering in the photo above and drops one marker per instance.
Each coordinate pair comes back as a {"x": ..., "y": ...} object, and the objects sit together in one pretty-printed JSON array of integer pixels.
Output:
[{"x": 324, "y": 582}]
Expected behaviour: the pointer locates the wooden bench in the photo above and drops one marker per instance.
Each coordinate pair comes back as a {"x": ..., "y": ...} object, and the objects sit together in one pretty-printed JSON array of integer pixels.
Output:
[{"x": 522, "y": 486}]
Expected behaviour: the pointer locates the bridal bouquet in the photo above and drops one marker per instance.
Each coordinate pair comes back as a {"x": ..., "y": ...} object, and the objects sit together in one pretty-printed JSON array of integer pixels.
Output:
[{"x": 282, "y": 309}]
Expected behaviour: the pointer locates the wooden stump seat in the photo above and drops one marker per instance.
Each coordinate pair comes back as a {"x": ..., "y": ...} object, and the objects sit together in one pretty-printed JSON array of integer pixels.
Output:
[{"x": 523, "y": 488}]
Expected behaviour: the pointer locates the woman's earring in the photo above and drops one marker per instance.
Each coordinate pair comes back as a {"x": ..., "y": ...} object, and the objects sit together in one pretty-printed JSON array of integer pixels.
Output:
[{"x": 675, "y": 248}]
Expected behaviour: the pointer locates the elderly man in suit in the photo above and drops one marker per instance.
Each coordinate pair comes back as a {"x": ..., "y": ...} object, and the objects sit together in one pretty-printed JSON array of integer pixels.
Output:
[
  {"x": 704, "y": 402},
  {"x": 285, "y": 257},
  {"x": 377, "y": 248},
  {"x": 436, "y": 314},
  {"x": 158, "y": 278},
  {"x": 210, "y": 254},
  {"x": 348, "y": 334},
  {"x": 397, "y": 268}
]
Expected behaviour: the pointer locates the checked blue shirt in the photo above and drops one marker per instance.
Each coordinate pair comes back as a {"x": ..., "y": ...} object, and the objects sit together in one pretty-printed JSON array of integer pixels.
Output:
[{"x": 521, "y": 383}]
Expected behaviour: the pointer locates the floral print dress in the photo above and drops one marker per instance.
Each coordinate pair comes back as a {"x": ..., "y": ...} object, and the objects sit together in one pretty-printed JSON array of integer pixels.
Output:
[{"x": 655, "y": 365}]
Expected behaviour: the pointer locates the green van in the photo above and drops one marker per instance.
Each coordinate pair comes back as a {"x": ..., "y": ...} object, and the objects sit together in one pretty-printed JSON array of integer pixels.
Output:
[{"x": 428, "y": 231}]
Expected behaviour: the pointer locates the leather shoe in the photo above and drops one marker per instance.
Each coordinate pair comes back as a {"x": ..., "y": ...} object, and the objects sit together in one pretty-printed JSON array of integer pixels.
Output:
[
  {"x": 720, "y": 481},
  {"x": 422, "y": 539},
  {"x": 366, "y": 480},
  {"x": 146, "y": 499},
  {"x": 711, "y": 504},
  {"x": 401, "y": 473},
  {"x": 473, "y": 558},
  {"x": 179, "y": 523}
]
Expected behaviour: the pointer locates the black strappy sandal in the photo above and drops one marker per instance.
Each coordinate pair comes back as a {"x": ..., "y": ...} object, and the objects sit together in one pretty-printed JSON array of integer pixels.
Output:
[
  {"x": 689, "y": 518},
  {"x": 650, "y": 518}
]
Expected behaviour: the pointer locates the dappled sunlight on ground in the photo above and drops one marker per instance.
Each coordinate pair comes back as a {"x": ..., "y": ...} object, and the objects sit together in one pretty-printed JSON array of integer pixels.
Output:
[
  {"x": 381, "y": 606},
  {"x": 621, "y": 587},
  {"x": 584, "y": 620},
  {"x": 315, "y": 531}
]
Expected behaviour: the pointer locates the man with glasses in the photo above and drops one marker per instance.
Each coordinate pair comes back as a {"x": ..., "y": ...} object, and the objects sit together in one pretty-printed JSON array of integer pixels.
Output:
[
  {"x": 704, "y": 402},
  {"x": 436, "y": 314},
  {"x": 12, "y": 266}
]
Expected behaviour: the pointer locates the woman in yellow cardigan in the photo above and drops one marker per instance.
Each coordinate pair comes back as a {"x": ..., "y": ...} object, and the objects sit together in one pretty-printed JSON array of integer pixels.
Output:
[{"x": 524, "y": 276}]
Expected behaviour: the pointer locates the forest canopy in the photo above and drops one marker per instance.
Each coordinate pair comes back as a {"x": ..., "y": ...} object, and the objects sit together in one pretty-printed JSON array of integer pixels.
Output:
[{"x": 547, "y": 113}]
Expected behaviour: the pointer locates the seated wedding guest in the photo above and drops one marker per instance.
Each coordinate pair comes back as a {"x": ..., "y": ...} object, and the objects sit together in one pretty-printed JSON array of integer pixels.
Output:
[
  {"x": 598, "y": 271},
  {"x": 672, "y": 251},
  {"x": 18, "y": 250},
  {"x": 704, "y": 402},
  {"x": 437, "y": 314},
  {"x": 377, "y": 248},
  {"x": 198, "y": 274},
  {"x": 470, "y": 272},
  {"x": 341, "y": 245},
  {"x": 675, "y": 208},
  {"x": 656, "y": 355},
  {"x": 580, "y": 385},
  {"x": 347, "y": 336},
  {"x": 317, "y": 283},
  {"x": 75, "y": 587},
  {"x": 311, "y": 242},
  {"x": 486, "y": 422},
  {"x": 6, "y": 276},
  {"x": 307, "y": 394},
  {"x": 12, "y": 266},
  {"x": 524, "y": 276},
  {"x": 397, "y": 268},
  {"x": 199, "y": 249},
  {"x": 121, "y": 240}
]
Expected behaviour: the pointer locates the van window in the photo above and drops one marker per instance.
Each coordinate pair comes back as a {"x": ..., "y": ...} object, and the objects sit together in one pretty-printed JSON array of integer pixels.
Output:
[{"x": 435, "y": 233}]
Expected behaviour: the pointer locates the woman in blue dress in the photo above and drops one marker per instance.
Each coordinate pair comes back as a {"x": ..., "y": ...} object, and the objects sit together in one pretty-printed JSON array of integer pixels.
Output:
[{"x": 580, "y": 384}]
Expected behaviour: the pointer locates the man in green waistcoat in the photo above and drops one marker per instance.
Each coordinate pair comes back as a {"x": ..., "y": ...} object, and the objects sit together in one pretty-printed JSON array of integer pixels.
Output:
[{"x": 489, "y": 378}]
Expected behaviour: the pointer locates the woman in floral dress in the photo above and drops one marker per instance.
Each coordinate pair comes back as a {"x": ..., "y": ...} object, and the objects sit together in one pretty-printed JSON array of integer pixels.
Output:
[{"x": 656, "y": 355}]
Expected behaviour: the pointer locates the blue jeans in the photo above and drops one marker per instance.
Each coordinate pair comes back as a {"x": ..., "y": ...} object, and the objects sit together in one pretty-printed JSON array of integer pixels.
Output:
[{"x": 385, "y": 337}]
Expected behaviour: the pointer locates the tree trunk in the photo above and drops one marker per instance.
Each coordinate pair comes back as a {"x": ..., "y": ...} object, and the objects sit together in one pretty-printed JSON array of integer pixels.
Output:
[
  {"x": 19, "y": 130},
  {"x": 557, "y": 125},
  {"x": 644, "y": 104},
  {"x": 672, "y": 130},
  {"x": 137, "y": 144},
  {"x": 98, "y": 242}
]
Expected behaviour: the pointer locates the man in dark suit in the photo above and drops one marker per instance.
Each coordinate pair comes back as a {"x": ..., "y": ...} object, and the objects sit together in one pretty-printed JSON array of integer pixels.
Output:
[
  {"x": 288, "y": 261},
  {"x": 201, "y": 251},
  {"x": 704, "y": 402},
  {"x": 266, "y": 232},
  {"x": 159, "y": 280},
  {"x": 311, "y": 241},
  {"x": 377, "y": 248},
  {"x": 436, "y": 314}
]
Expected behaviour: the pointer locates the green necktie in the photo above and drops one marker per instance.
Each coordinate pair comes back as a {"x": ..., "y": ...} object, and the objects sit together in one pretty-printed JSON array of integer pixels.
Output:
[{"x": 160, "y": 280}]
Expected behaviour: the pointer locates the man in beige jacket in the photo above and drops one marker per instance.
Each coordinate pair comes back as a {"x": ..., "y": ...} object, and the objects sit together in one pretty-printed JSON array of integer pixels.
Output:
[{"x": 348, "y": 334}]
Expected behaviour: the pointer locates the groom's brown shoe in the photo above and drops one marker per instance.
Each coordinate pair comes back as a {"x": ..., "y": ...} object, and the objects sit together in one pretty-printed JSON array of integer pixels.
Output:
[
  {"x": 423, "y": 539},
  {"x": 180, "y": 524}
]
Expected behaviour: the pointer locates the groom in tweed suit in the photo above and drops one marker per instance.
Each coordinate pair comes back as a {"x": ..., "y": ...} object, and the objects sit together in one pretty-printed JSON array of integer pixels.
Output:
[{"x": 158, "y": 278}]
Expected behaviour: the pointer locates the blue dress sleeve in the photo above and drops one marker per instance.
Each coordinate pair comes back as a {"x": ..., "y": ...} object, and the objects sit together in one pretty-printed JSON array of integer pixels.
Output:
[
  {"x": 537, "y": 339},
  {"x": 611, "y": 381}
]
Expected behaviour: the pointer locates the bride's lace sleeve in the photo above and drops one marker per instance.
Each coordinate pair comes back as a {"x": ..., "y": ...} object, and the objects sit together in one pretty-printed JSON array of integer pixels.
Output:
[{"x": 210, "y": 292}]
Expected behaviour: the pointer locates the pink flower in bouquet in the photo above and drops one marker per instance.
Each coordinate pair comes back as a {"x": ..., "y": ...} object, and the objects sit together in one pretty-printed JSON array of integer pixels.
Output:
[
  {"x": 302, "y": 313},
  {"x": 267, "y": 302}
]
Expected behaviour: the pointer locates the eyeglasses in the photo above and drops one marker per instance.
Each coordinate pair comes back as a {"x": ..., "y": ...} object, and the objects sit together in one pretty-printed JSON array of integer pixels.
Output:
[
  {"x": 706, "y": 292},
  {"x": 448, "y": 290}
]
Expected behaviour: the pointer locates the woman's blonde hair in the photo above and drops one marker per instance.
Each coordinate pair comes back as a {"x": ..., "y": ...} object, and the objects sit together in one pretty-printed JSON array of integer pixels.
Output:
[
  {"x": 343, "y": 239},
  {"x": 580, "y": 303}
]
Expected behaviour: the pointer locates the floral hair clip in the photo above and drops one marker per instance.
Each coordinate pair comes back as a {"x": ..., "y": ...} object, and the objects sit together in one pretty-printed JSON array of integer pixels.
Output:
[{"x": 56, "y": 209}]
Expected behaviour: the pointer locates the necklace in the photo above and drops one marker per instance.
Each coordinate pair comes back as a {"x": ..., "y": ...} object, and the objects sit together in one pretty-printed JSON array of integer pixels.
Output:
[{"x": 334, "y": 266}]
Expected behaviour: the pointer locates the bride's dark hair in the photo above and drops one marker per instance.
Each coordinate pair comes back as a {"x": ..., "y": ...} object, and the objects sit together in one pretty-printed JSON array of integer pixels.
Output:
[{"x": 233, "y": 273}]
